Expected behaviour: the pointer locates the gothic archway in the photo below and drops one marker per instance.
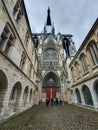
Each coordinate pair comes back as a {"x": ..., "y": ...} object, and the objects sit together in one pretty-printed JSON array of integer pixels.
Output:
[
  {"x": 96, "y": 88},
  {"x": 78, "y": 95},
  {"x": 25, "y": 96},
  {"x": 87, "y": 96},
  {"x": 51, "y": 85},
  {"x": 15, "y": 96},
  {"x": 31, "y": 96}
]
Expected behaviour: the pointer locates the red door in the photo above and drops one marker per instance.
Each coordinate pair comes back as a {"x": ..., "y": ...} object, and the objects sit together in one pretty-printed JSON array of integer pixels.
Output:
[
  {"x": 50, "y": 92},
  {"x": 53, "y": 92}
]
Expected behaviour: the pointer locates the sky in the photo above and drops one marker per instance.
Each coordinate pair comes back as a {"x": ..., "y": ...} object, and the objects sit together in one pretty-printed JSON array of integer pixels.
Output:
[{"x": 74, "y": 17}]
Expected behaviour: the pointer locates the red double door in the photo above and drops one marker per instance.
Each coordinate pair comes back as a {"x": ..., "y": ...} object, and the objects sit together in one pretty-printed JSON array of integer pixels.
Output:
[{"x": 50, "y": 92}]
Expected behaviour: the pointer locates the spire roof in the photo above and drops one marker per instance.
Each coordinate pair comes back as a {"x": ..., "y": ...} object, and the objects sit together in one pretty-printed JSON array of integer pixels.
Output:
[{"x": 48, "y": 18}]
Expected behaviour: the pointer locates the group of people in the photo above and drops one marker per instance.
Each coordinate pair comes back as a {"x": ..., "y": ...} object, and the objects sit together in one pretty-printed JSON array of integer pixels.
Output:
[{"x": 53, "y": 101}]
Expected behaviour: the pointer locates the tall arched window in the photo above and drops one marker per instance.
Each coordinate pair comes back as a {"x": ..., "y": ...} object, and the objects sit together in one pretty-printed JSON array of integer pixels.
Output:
[
  {"x": 7, "y": 39},
  {"x": 25, "y": 96},
  {"x": 96, "y": 88},
  {"x": 78, "y": 95},
  {"x": 83, "y": 63},
  {"x": 93, "y": 52},
  {"x": 50, "y": 57},
  {"x": 87, "y": 96},
  {"x": 77, "y": 70},
  {"x": 31, "y": 96},
  {"x": 15, "y": 95}
]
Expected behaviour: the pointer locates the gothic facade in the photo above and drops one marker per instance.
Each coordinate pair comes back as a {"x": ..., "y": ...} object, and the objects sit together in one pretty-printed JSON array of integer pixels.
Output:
[
  {"x": 51, "y": 53},
  {"x": 36, "y": 66}
]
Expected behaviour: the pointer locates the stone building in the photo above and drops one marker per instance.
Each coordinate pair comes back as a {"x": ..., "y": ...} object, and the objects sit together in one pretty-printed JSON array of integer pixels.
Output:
[
  {"x": 19, "y": 64},
  {"x": 51, "y": 48},
  {"x": 36, "y": 66},
  {"x": 84, "y": 71}
]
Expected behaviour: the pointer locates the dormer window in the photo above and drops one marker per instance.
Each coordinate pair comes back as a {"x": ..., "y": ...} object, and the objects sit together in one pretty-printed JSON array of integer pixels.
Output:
[
  {"x": 6, "y": 39},
  {"x": 17, "y": 12}
]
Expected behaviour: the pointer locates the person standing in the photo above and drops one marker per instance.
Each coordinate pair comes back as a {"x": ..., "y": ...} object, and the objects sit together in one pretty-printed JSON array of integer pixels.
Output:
[{"x": 47, "y": 101}]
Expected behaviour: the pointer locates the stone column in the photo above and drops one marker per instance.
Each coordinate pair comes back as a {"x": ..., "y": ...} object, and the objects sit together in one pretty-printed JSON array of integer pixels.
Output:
[
  {"x": 6, "y": 101},
  {"x": 82, "y": 98},
  {"x": 28, "y": 101},
  {"x": 21, "y": 107},
  {"x": 75, "y": 98},
  {"x": 94, "y": 98},
  {"x": 25, "y": 65}
]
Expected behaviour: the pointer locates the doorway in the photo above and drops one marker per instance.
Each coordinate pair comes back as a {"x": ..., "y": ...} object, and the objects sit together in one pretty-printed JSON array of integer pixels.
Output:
[{"x": 50, "y": 92}]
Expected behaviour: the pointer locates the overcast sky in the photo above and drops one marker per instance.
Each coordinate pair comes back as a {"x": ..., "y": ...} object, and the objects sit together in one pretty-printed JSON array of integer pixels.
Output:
[{"x": 74, "y": 17}]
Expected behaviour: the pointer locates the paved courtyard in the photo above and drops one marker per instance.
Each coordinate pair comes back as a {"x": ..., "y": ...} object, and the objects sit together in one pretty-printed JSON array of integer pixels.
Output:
[{"x": 68, "y": 117}]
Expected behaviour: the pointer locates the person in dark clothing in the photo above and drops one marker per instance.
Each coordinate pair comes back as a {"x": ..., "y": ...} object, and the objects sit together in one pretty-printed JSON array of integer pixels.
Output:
[
  {"x": 51, "y": 101},
  {"x": 56, "y": 101},
  {"x": 60, "y": 101},
  {"x": 47, "y": 101}
]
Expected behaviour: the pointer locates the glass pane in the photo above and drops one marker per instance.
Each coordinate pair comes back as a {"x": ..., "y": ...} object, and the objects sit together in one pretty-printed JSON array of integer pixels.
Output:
[
  {"x": 87, "y": 96},
  {"x": 7, "y": 48},
  {"x": 94, "y": 53},
  {"x": 96, "y": 89},
  {"x": 1, "y": 40},
  {"x": 78, "y": 96}
]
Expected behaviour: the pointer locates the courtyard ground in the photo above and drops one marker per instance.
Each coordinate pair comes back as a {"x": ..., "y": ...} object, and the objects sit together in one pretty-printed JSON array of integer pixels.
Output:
[{"x": 68, "y": 117}]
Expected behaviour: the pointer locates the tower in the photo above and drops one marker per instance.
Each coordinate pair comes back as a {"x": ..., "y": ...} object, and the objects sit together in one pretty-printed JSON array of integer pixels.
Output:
[
  {"x": 51, "y": 48},
  {"x": 49, "y": 27}
]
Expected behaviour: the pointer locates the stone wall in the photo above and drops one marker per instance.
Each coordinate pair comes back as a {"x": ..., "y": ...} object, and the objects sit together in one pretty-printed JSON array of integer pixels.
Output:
[{"x": 18, "y": 85}]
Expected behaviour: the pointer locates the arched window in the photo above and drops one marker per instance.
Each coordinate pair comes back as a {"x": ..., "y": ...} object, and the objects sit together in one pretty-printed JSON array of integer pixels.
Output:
[
  {"x": 7, "y": 39},
  {"x": 15, "y": 95},
  {"x": 78, "y": 95},
  {"x": 93, "y": 52},
  {"x": 50, "y": 54},
  {"x": 25, "y": 96},
  {"x": 84, "y": 63},
  {"x": 77, "y": 70},
  {"x": 96, "y": 88},
  {"x": 50, "y": 58},
  {"x": 87, "y": 96},
  {"x": 31, "y": 96}
]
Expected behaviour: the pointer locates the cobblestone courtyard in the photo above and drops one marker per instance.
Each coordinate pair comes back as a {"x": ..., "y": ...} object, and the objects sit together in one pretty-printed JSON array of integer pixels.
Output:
[{"x": 41, "y": 117}]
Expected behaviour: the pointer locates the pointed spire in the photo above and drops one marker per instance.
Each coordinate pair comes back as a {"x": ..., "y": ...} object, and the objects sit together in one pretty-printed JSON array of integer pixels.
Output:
[{"x": 48, "y": 18}]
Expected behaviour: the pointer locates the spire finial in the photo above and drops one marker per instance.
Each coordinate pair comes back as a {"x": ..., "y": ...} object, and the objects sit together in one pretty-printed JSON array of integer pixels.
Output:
[
  {"x": 48, "y": 10},
  {"x": 48, "y": 17}
]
